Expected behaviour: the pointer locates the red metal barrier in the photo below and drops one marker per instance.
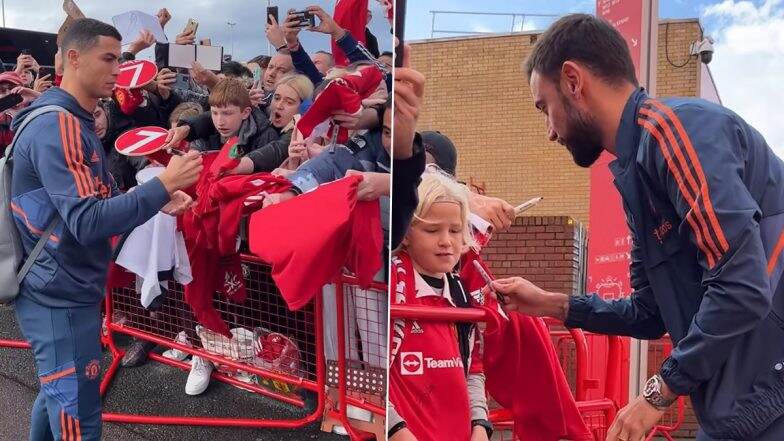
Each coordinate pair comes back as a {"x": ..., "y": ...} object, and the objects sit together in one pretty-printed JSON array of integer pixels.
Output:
[
  {"x": 14, "y": 344},
  {"x": 362, "y": 316},
  {"x": 597, "y": 414},
  {"x": 264, "y": 309}
]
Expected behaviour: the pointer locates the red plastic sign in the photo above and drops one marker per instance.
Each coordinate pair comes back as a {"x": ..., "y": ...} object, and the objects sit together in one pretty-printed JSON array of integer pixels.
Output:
[
  {"x": 141, "y": 141},
  {"x": 136, "y": 73},
  {"x": 626, "y": 16}
]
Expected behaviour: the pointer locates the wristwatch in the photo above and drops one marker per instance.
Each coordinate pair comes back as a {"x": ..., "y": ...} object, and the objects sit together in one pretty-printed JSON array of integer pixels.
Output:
[
  {"x": 485, "y": 424},
  {"x": 653, "y": 393}
]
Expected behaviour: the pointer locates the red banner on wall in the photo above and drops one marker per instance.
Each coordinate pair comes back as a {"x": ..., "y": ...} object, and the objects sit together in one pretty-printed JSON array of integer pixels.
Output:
[
  {"x": 609, "y": 243},
  {"x": 609, "y": 238}
]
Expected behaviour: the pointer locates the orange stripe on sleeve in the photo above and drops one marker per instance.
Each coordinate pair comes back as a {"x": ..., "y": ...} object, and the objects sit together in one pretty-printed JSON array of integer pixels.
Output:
[
  {"x": 64, "y": 139},
  {"x": 698, "y": 168},
  {"x": 679, "y": 179},
  {"x": 82, "y": 168},
  {"x": 693, "y": 198},
  {"x": 777, "y": 250},
  {"x": 62, "y": 426},
  {"x": 18, "y": 210},
  {"x": 78, "y": 430},
  {"x": 78, "y": 156}
]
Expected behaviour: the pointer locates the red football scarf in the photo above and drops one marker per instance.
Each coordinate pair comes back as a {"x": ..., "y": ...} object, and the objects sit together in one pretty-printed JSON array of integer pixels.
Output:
[
  {"x": 210, "y": 230},
  {"x": 530, "y": 381},
  {"x": 316, "y": 234},
  {"x": 344, "y": 94},
  {"x": 350, "y": 15},
  {"x": 433, "y": 402}
]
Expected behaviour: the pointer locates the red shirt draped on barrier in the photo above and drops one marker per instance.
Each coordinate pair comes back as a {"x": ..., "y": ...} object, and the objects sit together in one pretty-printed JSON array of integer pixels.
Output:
[
  {"x": 308, "y": 239},
  {"x": 210, "y": 230}
]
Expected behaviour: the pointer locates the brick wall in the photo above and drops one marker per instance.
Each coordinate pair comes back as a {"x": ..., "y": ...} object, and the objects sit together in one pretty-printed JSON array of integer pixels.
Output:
[
  {"x": 476, "y": 93},
  {"x": 544, "y": 250}
]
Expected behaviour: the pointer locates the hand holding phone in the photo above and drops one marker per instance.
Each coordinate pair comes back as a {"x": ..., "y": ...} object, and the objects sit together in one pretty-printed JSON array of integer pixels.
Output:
[
  {"x": 190, "y": 27},
  {"x": 305, "y": 19},
  {"x": 400, "y": 31},
  {"x": 272, "y": 12}
]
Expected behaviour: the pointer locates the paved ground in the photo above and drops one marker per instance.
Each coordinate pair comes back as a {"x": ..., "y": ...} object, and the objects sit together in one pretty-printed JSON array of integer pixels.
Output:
[{"x": 150, "y": 389}]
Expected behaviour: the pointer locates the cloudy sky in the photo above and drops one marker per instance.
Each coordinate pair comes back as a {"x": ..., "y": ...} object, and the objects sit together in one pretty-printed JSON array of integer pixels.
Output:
[
  {"x": 748, "y": 63},
  {"x": 249, "y": 15}
]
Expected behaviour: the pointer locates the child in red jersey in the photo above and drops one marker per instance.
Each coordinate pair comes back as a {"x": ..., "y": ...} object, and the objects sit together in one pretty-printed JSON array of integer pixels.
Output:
[{"x": 436, "y": 386}]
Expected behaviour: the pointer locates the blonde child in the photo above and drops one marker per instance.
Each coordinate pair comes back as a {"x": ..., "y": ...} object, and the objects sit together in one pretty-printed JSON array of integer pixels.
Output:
[{"x": 436, "y": 386}]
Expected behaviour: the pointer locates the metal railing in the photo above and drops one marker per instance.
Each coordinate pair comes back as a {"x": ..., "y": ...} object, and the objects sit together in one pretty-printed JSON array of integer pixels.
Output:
[{"x": 516, "y": 25}]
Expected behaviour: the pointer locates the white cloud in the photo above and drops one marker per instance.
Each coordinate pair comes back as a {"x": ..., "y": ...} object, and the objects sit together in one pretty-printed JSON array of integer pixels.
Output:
[
  {"x": 476, "y": 27},
  {"x": 748, "y": 63}
]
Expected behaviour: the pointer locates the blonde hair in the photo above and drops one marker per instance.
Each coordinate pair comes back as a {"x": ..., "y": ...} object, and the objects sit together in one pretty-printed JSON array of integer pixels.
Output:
[
  {"x": 438, "y": 187},
  {"x": 300, "y": 83}
]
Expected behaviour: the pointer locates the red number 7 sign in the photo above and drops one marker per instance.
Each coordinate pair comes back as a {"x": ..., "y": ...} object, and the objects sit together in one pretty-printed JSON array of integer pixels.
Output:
[{"x": 136, "y": 73}]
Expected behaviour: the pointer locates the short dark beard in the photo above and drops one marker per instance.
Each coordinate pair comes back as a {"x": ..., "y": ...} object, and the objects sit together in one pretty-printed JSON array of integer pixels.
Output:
[{"x": 583, "y": 137}]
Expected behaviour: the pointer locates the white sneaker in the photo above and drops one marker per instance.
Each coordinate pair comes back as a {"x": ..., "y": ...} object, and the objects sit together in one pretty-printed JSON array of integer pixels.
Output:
[
  {"x": 176, "y": 354},
  {"x": 199, "y": 378}
]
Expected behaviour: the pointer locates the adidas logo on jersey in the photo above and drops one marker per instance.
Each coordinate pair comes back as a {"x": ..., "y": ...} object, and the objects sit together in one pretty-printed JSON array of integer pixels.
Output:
[{"x": 416, "y": 329}]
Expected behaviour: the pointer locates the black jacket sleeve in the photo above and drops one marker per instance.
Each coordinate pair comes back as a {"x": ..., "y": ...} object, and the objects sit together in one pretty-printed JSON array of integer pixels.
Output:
[
  {"x": 201, "y": 126},
  {"x": 270, "y": 156},
  {"x": 406, "y": 175}
]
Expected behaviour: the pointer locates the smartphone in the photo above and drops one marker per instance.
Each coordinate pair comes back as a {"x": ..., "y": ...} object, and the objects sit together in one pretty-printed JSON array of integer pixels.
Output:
[
  {"x": 400, "y": 30},
  {"x": 526, "y": 205},
  {"x": 305, "y": 19},
  {"x": 182, "y": 81},
  {"x": 9, "y": 101},
  {"x": 190, "y": 27},
  {"x": 273, "y": 11},
  {"x": 486, "y": 277},
  {"x": 44, "y": 71}
]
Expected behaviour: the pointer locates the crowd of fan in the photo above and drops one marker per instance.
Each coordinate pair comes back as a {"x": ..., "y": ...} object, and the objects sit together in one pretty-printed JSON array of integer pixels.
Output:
[{"x": 258, "y": 102}]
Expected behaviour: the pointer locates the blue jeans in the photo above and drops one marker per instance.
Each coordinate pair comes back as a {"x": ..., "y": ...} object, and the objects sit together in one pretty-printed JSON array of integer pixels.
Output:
[{"x": 67, "y": 348}]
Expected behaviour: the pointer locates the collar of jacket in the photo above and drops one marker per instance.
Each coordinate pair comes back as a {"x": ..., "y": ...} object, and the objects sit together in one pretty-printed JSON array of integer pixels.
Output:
[
  {"x": 256, "y": 123},
  {"x": 627, "y": 137}
]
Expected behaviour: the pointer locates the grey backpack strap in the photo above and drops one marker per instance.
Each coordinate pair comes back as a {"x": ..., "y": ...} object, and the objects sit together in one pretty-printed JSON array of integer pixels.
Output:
[
  {"x": 39, "y": 246},
  {"x": 28, "y": 119}
]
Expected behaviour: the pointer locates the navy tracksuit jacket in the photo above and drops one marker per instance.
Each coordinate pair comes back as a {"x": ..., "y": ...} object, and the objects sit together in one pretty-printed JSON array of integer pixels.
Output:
[{"x": 704, "y": 198}]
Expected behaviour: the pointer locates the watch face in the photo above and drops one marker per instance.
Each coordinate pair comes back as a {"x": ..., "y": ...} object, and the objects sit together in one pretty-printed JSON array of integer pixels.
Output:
[{"x": 651, "y": 387}]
